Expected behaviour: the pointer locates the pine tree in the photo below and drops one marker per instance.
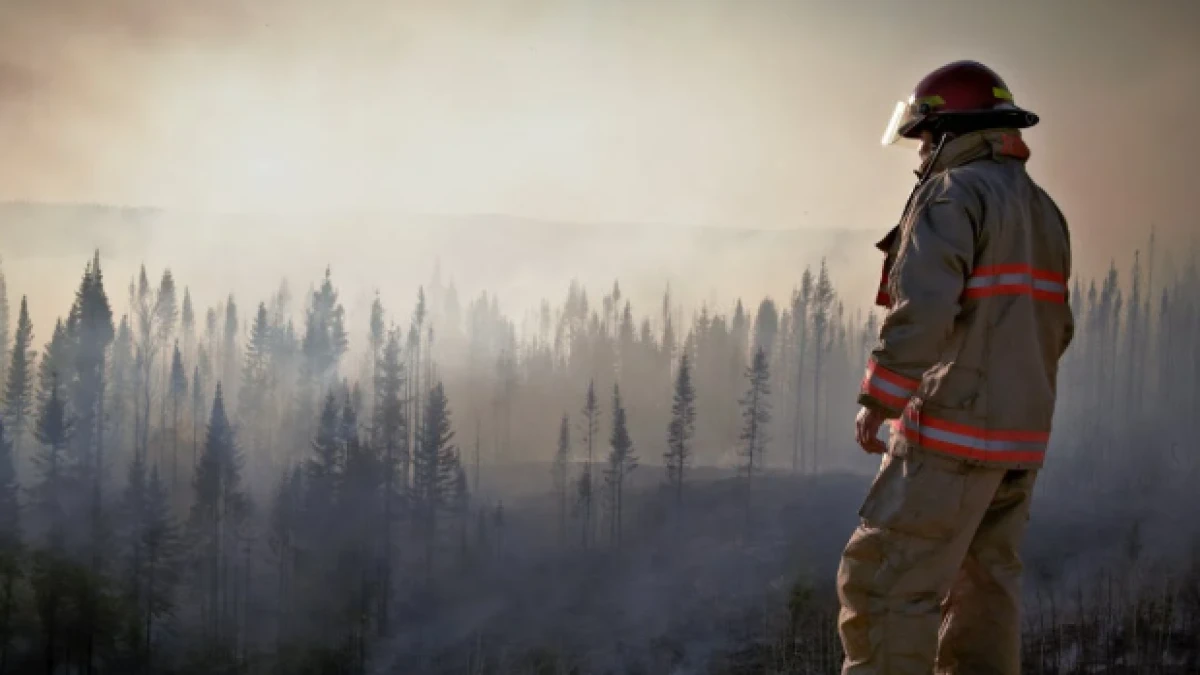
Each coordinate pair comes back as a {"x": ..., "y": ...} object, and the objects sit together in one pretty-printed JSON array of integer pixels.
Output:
[
  {"x": 162, "y": 548},
  {"x": 256, "y": 380},
  {"x": 57, "y": 358},
  {"x": 359, "y": 515},
  {"x": 54, "y": 431},
  {"x": 187, "y": 327},
  {"x": 800, "y": 306},
  {"x": 18, "y": 390},
  {"x": 377, "y": 336},
  {"x": 391, "y": 437},
  {"x": 4, "y": 319},
  {"x": 822, "y": 304},
  {"x": 325, "y": 464},
  {"x": 562, "y": 458},
  {"x": 756, "y": 415},
  {"x": 146, "y": 349},
  {"x": 591, "y": 421},
  {"x": 325, "y": 338},
  {"x": 50, "y": 570},
  {"x": 434, "y": 472},
  {"x": 178, "y": 389},
  {"x": 625, "y": 336},
  {"x": 229, "y": 350},
  {"x": 133, "y": 516},
  {"x": 286, "y": 516},
  {"x": 1133, "y": 327},
  {"x": 166, "y": 309},
  {"x": 219, "y": 509},
  {"x": 668, "y": 332},
  {"x": 122, "y": 376},
  {"x": 681, "y": 429},
  {"x": 10, "y": 544},
  {"x": 197, "y": 403},
  {"x": 621, "y": 463},
  {"x": 414, "y": 355},
  {"x": 91, "y": 331},
  {"x": 766, "y": 327}
]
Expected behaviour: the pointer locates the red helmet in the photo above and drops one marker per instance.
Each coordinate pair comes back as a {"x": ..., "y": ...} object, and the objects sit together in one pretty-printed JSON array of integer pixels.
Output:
[{"x": 959, "y": 97}]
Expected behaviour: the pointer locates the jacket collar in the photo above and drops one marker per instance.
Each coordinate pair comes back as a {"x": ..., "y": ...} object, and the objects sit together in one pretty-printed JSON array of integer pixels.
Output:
[{"x": 994, "y": 144}]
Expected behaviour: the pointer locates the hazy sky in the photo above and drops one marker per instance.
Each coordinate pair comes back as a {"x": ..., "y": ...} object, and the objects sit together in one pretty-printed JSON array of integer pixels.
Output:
[{"x": 739, "y": 112}]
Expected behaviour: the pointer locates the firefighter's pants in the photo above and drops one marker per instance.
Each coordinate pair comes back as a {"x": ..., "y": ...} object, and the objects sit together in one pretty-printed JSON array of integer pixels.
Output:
[{"x": 930, "y": 581}]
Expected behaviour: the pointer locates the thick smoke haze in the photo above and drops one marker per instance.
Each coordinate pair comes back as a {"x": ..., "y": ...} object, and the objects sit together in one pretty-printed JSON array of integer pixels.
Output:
[
  {"x": 517, "y": 204},
  {"x": 760, "y": 115}
]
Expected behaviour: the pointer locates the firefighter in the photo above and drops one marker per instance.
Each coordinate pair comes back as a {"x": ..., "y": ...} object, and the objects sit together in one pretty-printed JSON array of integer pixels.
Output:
[{"x": 975, "y": 286}]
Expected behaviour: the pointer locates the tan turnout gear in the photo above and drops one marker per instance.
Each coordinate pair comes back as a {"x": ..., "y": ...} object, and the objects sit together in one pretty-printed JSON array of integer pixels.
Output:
[
  {"x": 966, "y": 368},
  {"x": 968, "y": 353}
]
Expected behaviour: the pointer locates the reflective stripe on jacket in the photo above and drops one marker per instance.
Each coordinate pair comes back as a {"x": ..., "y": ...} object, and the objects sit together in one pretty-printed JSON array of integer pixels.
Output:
[{"x": 967, "y": 358}]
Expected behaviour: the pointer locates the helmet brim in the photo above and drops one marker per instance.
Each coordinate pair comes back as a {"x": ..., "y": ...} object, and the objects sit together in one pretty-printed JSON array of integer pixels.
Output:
[{"x": 966, "y": 122}]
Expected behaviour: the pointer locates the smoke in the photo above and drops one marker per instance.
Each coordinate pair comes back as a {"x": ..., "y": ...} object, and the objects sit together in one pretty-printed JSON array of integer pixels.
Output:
[{"x": 351, "y": 121}]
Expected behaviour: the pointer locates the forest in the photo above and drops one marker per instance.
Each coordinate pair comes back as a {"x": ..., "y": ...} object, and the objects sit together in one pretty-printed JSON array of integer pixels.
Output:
[{"x": 261, "y": 486}]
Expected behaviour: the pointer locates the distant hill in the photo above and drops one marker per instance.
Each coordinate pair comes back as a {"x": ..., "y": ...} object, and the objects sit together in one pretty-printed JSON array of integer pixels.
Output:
[{"x": 521, "y": 261}]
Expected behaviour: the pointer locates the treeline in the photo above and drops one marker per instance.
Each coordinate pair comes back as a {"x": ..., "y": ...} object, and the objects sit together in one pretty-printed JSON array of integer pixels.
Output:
[{"x": 221, "y": 490}]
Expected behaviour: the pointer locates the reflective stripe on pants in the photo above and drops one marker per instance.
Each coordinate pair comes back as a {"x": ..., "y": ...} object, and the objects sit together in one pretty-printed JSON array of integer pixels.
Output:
[{"x": 936, "y": 554}]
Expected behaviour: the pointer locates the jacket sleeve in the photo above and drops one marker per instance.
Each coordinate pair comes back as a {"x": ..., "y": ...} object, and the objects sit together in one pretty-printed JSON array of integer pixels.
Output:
[{"x": 936, "y": 255}]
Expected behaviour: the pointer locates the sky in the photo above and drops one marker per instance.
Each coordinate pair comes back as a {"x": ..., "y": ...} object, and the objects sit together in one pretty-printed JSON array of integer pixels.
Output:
[{"x": 729, "y": 113}]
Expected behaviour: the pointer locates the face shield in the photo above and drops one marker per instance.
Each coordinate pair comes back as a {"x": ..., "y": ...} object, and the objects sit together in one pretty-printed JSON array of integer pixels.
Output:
[{"x": 902, "y": 116}]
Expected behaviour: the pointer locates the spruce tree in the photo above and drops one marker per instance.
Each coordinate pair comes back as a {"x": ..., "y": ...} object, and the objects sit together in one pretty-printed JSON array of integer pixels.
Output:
[
  {"x": 133, "y": 513},
  {"x": 434, "y": 473},
  {"x": 390, "y": 433},
  {"x": 178, "y": 389},
  {"x": 359, "y": 513},
  {"x": 4, "y": 324},
  {"x": 286, "y": 515},
  {"x": 197, "y": 403},
  {"x": 800, "y": 314},
  {"x": 56, "y": 361},
  {"x": 325, "y": 339},
  {"x": 51, "y": 571},
  {"x": 668, "y": 332},
  {"x": 756, "y": 415},
  {"x": 122, "y": 376},
  {"x": 256, "y": 376},
  {"x": 162, "y": 547},
  {"x": 219, "y": 509},
  {"x": 586, "y": 489},
  {"x": 18, "y": 388},
  {"x": 621, "y": 463},
  {"x": 681, "y": 428},
  {"x": 53, "y": 432},
  {"x": 324, "y": 466},
  {"x": 559, "y": 471},
  {"x": 90, "y": 330},
  {"x": 822, "y": 305},
  {"x": 766, "y": 327},
  {"x": 229, "y": 350},
  {"x": 414, "y": 355},
  {"x": 187, "y": 327},
  {"x": 10, "y": 545},
  {"x": 377, "y": 335},
  {"x": 166, "y": 310}
]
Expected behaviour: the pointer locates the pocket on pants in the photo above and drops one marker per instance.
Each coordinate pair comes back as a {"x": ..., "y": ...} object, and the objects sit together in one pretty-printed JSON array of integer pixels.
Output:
[{"x": 916, "y": 495}]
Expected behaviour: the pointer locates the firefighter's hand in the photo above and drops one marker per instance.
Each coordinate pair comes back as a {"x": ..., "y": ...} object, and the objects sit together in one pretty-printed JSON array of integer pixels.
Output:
[{"x": 867, "y": 430}]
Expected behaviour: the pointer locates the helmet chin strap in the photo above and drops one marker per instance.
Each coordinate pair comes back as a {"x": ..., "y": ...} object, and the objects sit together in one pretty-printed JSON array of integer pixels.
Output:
[
  {"x": 926, "y": 171},
  {"x": 943, "y": 138}
]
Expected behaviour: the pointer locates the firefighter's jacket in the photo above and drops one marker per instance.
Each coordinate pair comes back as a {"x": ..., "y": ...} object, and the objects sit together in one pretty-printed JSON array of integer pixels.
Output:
[{"x": 976, "y": 288}]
